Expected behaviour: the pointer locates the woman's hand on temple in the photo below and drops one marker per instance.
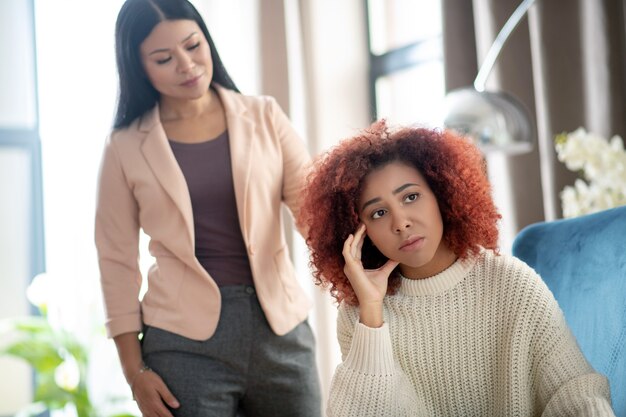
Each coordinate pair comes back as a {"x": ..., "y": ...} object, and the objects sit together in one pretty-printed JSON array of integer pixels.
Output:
[
  {"x": 370, "y": 286},
  {"x": 151, "y": 395}
]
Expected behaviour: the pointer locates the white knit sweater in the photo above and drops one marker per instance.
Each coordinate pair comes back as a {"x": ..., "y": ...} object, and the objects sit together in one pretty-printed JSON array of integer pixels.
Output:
[{"x": 485, "y": 337}]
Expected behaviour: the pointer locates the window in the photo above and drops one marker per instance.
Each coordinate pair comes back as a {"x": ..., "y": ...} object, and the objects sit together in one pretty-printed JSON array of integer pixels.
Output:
[
  {"x": 21, "y": 240},
  {"x": 406, "y": 60}
]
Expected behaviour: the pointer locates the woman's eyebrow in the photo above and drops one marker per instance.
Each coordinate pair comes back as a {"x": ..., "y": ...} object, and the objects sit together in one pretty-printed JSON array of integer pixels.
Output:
[
  {"x": 403, "y": 187},
  {"x": 394, "y": 192},
  {"x": 370, "y": 202},
  {"x": 156, "y": 51}
]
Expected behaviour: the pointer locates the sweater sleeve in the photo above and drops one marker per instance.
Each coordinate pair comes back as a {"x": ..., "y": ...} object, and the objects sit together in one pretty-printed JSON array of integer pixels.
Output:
[
  {"x": 567, "y": 384},
  {"x": 369, "y": 382}
]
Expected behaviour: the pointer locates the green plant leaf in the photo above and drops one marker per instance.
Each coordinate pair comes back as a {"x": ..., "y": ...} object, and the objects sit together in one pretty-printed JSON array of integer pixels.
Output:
[
  {"x": 76, "y": 349},
  {"x": 83, "y": 405},
  {"x": 29, "y": 325},
  {"x": 40, "y": 354},
  {"x": 49, "y": 393}
]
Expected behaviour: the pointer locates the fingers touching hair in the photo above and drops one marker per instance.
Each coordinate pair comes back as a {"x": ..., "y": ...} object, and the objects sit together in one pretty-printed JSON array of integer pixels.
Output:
[{"x": 452, "y": 166}]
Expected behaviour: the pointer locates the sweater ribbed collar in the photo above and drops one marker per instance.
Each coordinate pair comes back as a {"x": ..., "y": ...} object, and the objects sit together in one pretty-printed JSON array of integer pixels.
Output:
[{"x": 437, "y": 284}]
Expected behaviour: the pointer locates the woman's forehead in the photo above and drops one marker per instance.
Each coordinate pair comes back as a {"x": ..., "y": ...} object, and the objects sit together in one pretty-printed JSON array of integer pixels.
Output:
[
  {"x": 169, "y": 33},
  {"x": 388, "y": 178}
]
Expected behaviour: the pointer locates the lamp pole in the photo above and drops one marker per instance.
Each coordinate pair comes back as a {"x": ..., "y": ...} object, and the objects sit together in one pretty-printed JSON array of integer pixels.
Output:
[
  {"x": 498, "y": 44},
  {"x": 495, "y": 120}
]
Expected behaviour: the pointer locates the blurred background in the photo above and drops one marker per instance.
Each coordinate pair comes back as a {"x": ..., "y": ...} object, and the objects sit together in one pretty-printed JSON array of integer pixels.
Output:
[{"x": 334, "y": 66}]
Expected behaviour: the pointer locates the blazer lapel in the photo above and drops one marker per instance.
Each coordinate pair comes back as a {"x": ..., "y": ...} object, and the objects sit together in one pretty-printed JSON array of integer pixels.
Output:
[
  {"x": 162, "y": 161},
  {"x": 241, "y": 132}
]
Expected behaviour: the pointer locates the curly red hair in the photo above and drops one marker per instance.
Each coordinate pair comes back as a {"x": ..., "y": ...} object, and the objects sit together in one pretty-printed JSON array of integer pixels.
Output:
[{"x": 453, "y": 167}]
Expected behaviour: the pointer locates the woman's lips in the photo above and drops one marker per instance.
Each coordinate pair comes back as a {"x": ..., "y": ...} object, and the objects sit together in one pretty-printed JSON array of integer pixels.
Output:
[
  {"x": 412, "y": 243},
  {"x": 192, "y": 81}
]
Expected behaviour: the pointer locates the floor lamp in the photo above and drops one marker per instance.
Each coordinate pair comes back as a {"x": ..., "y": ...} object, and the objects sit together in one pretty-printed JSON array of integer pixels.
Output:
[{"x": 496, "y": 121}]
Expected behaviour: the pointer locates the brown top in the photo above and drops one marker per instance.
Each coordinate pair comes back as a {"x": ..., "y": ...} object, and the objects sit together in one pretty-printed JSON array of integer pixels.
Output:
[
  {"x": 219, "y": 245},
  {"x": 141, "y": 187}
]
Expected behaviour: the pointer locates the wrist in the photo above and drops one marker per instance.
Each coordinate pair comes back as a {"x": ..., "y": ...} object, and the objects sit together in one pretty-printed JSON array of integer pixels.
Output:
[
  {"x": 143, "y": 368},
  {"x": 371, "y": 315}
]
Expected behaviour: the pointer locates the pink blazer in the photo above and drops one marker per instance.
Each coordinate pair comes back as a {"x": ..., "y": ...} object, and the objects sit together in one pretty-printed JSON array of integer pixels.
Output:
[{"x": 142, "y": 186}]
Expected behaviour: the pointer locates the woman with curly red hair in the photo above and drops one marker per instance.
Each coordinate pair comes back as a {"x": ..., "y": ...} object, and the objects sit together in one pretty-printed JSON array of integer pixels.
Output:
[{"x": 432, "y": 319}]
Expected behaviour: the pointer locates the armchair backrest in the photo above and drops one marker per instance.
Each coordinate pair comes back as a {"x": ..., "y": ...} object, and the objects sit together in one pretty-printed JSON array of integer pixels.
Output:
[{"x": 583, "y": 262}]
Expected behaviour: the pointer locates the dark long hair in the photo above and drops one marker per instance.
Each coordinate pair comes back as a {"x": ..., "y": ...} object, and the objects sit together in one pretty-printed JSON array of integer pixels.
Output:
[{"x": 135, "y": 21}]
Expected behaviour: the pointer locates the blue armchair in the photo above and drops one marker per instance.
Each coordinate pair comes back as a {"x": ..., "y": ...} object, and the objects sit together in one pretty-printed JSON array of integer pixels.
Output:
[{"x": 583, "y": 262}]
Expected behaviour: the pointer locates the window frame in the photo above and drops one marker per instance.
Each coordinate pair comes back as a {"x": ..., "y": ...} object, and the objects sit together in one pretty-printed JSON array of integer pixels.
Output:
[{"x": 397, "y": 59}]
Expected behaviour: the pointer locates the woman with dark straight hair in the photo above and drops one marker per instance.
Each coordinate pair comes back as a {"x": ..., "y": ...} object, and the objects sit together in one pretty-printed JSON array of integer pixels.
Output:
[
  {"x": 135, "y": 22},
  {"x": 203, "y": 170}
]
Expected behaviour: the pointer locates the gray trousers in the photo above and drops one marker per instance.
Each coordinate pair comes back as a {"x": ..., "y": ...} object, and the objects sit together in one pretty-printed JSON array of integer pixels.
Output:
[{"x": 244, "y": 369}]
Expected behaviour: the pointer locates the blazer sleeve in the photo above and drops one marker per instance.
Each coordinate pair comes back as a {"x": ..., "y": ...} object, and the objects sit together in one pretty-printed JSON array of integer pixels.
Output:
[
  {"x": 296, "y": 159},
  {"x": 117, "y": 243}
]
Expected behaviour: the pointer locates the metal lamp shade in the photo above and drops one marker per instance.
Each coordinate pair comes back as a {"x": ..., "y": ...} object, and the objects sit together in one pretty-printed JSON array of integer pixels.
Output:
[{"x": 496, "y": 121}]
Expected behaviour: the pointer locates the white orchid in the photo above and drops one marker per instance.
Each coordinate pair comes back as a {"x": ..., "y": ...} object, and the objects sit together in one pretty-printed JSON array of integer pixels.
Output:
[
  {"x": 67, "y": 374},
  {"x": 602, "y": 165},
  {"x": 40, "y": 291}
]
